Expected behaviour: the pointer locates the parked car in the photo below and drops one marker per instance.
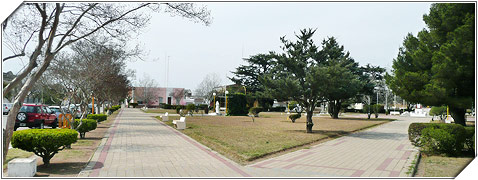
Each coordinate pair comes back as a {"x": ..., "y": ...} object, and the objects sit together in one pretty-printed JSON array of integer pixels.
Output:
[
  {"x": 58, "y": 110},
  {"x": 39, "y": 116},
  {"x": 6, "y": 108}
]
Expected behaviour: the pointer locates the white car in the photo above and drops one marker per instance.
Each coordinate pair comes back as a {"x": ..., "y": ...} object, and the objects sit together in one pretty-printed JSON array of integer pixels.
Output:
[{"x": 6, "y": 108}]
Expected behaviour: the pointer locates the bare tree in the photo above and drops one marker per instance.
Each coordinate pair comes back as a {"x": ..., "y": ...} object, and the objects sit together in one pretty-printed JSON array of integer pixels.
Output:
[
  {"x": 207, "y": 85},
  {"x": 39, "y": 31},
  {"x": 146, "y": 89},
  {"x": 178, "y": 94}
]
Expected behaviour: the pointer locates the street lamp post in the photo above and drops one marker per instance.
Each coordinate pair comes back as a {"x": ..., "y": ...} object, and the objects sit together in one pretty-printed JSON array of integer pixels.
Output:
[
  {"x": 226, "y": 100},
  {"x": 214, "y": 94}
]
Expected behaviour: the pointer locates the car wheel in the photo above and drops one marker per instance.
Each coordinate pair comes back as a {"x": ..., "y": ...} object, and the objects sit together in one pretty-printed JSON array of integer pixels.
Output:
[
  {"x": 42, "y": 125},
  {"x": 55, "y": 124},
  {"x": 21, "y": 116},
  {"x": 15, "y": 128}
]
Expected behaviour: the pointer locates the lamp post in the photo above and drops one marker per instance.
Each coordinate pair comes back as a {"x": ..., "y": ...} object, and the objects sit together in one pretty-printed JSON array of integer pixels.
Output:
[{"x": 214, "y": 94}]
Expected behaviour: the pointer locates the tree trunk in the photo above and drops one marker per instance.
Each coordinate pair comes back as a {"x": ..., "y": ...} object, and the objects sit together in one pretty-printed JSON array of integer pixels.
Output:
[
  {"x": 334, "y": 109},
  {"x": 309, "y": 123},
  {"x": 458, "y": 115},
  {"x": 368, "y": 115},
  {"x": 8, "y": 132}
]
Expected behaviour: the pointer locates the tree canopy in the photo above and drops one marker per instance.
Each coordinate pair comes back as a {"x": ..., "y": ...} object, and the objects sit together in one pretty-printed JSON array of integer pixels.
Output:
[{"x": 436, "y": 67}]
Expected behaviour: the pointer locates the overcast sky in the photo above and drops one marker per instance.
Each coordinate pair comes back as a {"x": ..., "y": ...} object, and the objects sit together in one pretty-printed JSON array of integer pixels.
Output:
[{"x": 372, "y": 32}]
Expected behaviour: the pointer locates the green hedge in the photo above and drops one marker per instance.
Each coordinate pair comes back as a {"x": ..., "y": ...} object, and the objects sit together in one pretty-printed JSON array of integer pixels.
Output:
[
  {"x": 133, "y": 104},
  {"x": 470, "y": 139},
  {"x": 294, "y": 117},
  {"x": 438, "y": 138},
  {"x": 44, "y": 142},
  {"x": 277, "y": 109},
  {"x": 87, "y": 126},
  {"x": 97, "y": 117},
  {"x": 237, "y": 104},
  {"x": 204, "y": 107}
]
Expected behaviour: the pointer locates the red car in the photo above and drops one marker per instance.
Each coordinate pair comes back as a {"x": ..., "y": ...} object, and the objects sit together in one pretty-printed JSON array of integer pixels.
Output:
[{"x": 39, "y": 116}]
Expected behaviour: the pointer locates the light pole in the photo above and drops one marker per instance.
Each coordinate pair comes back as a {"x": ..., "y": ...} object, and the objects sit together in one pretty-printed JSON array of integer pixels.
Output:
[{"x": 214, "y": 94}]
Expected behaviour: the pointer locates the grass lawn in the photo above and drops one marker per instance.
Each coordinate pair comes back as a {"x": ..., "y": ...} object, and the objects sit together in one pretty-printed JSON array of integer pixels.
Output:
[
  {"x": 242, "y": 140},
  {"x": 157, "y": 110},
  {"x": 438, "y": 166}
]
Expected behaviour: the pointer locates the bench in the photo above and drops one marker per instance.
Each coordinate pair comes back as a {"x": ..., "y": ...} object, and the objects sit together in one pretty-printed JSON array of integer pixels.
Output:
[
  {"x": 181, "y": 123},
  {"x": 22, "y": 167},
  {"x": 165, "y": 117}
]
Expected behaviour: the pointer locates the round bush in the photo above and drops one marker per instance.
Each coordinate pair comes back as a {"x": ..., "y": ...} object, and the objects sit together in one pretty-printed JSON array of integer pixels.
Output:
[
  {"x": 87, "y": 126},
  {"x": 293, "y": 117},
  {"x": 255, "y": 111},
  {"x": 44, "y": 142}
]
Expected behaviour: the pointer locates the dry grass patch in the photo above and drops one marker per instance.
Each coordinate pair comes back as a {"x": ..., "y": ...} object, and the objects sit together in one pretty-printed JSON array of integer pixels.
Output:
[
  {"x": 242, "y": 140},
  {"x": 438, "y": 166}
]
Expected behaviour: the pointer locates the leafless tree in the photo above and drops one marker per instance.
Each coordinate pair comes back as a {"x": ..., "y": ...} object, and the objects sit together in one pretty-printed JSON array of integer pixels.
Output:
[
  {"x": 177, "y": 94},
  {"x": 207, "y": 85},
  {"x": 39, "y": 31},
  {"x": 146, "y": 89}
]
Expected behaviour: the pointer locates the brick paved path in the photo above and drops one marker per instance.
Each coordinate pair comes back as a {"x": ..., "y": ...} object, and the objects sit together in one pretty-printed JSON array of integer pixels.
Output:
[
  {"x": 137, "y": 145},
  {"x": 384, "y": 151},
  {"x": 140, "y": 146}
]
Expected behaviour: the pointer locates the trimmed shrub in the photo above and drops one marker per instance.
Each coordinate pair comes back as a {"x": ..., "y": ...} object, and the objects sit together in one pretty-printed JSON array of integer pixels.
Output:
[
  {"x": 97, "y": 117},
  {"x": 278, "y": 109},
  {"x": 133, "y": 104},
  {"x": 178, "y": 108},
  {"x": 204, "y": 107},
  {"x": 255, "y": 111},
  {"x": 470, "y": 138},
  {"x": 44, "y": 142},
  {"x": 237, "y": 104},
  {"x": 87, "y": 126},
  {"x": 294, "y": 117},
  {"x": 438, "y": 111},
  {"x": 437, "y": 137},
  {"x": 443, "y": 139},
  {"x": 190, "y": 108}
]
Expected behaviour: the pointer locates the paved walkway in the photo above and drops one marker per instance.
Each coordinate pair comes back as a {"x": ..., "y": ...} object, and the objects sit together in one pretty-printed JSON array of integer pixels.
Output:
[
  {"x": 140, "y": 146},
  {"x": 384, "y": 151},
  {"x": 137, "y": 145}
]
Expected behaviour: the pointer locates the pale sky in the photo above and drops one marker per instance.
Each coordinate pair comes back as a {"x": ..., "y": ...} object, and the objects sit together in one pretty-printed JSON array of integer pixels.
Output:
[{"x": 372, "y": 32}]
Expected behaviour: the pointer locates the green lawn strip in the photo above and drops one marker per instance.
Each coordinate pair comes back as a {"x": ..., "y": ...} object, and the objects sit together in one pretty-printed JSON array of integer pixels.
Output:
[
  {"x": 439, "y": 166},
  {"x": 16, "y": 153},
  {"x": 244, "y": 142}
]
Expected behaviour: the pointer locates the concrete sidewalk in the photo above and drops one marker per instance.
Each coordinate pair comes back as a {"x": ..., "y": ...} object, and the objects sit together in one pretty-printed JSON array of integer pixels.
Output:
[{"x": 137, "y": 145}]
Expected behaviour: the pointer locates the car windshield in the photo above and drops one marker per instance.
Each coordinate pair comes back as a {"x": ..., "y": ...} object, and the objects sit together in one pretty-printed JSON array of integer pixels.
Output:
[{"x": 30, "y": 109}]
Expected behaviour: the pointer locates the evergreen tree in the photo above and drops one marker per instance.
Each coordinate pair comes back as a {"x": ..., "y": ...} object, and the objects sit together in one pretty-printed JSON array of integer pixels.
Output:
[{"x": 437, "y": 66}]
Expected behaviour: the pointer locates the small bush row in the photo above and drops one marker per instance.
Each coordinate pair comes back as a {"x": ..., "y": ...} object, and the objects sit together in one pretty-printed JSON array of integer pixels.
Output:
[
  {"x": 97, "y": 117},
  {"x": 439, "y": 138},
  {"x": 44, "y": 142},
  {"x": 115, "y": 108}
]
